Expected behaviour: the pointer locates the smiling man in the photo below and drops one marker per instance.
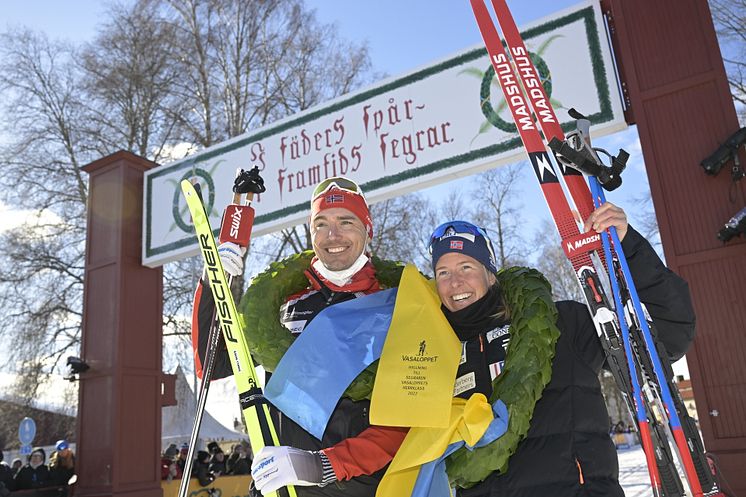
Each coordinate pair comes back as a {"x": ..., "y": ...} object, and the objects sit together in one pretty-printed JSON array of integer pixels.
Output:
[
  {"x": 341, "y": 229},
  {"x": 351, "y": 456}
]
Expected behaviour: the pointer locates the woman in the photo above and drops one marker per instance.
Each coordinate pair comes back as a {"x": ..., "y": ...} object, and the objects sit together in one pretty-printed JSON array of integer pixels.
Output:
[
  {"x": 35, "y": 474},
  {"x": 237, "y": 463},
  {"x": 567, "y": 450},
  {"x": 201, "y": 469}
]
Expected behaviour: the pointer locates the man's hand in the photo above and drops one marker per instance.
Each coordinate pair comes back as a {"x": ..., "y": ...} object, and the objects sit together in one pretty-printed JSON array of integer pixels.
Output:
[
  {"x": 276, "y": 467},
  {"x": 605, "y": 216},
  {"x": 231, "y": 255}
]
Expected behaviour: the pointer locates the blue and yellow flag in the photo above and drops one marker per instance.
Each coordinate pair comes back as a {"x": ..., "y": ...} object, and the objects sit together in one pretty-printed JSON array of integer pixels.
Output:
[
  {"x": 417, "y": 370},
  {"x": 335, "y": 347}
]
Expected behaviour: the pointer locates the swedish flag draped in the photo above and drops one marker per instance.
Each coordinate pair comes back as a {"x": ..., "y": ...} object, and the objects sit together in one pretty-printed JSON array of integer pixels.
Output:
[
  {"x": 335, "y": 347},
  {"x": 418, "y": 469},
  {"x": 345, "y": 338},
  {"x": 420, "y": 351}
]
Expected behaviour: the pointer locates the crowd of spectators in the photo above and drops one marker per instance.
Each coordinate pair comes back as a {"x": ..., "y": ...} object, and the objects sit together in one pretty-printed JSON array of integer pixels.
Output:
[
  {"x": 36, "y": 474},
  {"x": 208, "y": 464}
]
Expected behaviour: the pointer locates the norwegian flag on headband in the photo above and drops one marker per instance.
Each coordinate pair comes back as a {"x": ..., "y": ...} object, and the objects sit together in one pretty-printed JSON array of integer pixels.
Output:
[
  {"x": 457, "y": 245},
  {"x": 335, "y": 198}
]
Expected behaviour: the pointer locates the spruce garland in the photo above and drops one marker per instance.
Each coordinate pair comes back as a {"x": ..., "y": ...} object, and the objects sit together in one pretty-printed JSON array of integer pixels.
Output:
[
  {"x": 260, "y": 306},
  {"x": 527, "y": 369}
]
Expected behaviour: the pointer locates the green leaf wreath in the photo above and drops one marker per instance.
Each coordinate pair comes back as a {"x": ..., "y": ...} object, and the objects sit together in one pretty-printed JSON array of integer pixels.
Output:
[{"x": 527, "y": 369}]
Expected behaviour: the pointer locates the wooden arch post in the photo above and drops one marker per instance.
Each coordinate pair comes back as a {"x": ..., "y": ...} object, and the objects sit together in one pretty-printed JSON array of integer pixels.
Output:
[
  {"x": 119, "y": 410},
  {"x": 675, "y": 83}
]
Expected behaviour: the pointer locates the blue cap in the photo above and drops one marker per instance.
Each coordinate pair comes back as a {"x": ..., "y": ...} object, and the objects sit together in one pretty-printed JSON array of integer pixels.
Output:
[
  {"x": 62, "y": 445},
  {"x": 465, "y": 238}
]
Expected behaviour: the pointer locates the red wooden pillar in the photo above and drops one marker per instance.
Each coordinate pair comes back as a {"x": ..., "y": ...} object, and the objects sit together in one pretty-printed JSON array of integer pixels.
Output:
[
  {"x": 672, "y": 69},
  {"x": 119, "y": 411}
]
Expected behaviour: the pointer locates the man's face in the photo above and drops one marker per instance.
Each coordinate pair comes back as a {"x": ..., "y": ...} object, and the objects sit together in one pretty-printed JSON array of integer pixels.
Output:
[{"x": 339, "y": 238}]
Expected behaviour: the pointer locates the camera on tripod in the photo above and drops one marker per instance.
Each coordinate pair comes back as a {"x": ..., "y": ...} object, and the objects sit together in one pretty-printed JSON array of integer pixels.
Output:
[
  {"x": 734, "y": 227},
  {"x": 725, "y": 152}
]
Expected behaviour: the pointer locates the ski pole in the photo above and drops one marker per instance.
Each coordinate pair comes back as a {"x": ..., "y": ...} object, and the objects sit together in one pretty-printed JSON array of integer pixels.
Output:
[
  {"x": 253, "y": 404},
  {"x": 238, "y": 231}
]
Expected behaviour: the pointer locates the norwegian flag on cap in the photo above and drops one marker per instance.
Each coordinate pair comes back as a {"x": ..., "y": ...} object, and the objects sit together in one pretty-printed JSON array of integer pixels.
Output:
[
  {"x": 457, "y": 245},
  {"x": 353, "y": 202}
]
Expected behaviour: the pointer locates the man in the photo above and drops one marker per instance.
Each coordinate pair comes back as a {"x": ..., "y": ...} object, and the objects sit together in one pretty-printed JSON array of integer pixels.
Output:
[
  {"x": 6, "y": 475},
  {"x": 182, "y": 459},
  {"x": 35, "y": 474},
  {"x": 351, "y": 456}
]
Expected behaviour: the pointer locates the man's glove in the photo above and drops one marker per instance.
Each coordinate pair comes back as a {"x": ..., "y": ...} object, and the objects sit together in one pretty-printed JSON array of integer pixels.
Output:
[
  {"x": 231, "y": 255},
  {"x": 276, "y": 467}
]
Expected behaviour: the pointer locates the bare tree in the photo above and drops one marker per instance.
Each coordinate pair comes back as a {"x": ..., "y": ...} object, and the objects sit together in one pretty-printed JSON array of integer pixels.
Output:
[
  {"x": 729, "y": 17},
  {"x": 402, "y": 225},
  {"x": 498, "y": 209},
  {"x": 158, "y": 74},
  {"x": 129, "y": 79},
  {"x": 42, "y": 265},
  {"x": 552, "y": 262}
]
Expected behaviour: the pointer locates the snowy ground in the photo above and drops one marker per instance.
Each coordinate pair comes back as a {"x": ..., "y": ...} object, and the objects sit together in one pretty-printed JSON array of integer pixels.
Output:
[{"x": 633, "y": 472}]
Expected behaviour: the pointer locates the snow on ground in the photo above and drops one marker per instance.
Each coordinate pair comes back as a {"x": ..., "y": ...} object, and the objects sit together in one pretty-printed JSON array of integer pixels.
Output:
[{"x": 633, "y": 472}]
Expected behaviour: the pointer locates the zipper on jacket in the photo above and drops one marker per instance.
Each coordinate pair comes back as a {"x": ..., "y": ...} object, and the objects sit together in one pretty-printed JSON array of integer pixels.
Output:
[{"x": 580, "y": 471}]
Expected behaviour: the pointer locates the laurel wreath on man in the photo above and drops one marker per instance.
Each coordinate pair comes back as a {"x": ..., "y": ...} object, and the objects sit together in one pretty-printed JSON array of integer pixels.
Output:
[{"x": 527, "y": 368}]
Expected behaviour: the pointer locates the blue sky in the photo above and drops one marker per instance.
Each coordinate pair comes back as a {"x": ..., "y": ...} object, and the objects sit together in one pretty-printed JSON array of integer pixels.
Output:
[{"x": 402, "y": 35}]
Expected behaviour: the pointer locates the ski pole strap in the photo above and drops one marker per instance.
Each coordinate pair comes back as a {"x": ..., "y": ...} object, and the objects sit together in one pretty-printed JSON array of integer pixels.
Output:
[
  {"x": 249, "y": 182},
  {"x": 580, "y": 159}
]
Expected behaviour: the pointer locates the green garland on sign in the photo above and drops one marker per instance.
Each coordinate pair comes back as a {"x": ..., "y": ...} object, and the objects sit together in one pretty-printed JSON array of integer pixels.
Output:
[{"x": 527, "y": 369}]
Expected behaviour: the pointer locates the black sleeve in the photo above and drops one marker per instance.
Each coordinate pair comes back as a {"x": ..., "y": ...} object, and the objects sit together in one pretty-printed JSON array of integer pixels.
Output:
[
  {"x": 577, "y": 328},
  {"x": 204, "y": 476},
  {"x": 665, "y": 295},
  {"x": 203, "y": 315}
]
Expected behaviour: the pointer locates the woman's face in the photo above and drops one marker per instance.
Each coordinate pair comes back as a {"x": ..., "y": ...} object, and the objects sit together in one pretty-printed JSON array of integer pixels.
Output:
[{"x": 461, "y": 280}]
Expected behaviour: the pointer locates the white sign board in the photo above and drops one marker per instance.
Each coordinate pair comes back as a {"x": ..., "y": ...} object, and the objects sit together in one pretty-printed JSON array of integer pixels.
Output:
[{"x": 430, "y": 126}]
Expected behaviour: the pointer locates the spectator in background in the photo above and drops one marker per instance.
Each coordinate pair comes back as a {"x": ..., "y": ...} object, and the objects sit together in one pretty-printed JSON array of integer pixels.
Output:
[
  {"x": 16, "y": 465},
  {"x": 35, "y": 474},
  {"x": 6, "y": 475},
  {"x": 171, "y": 452},
  {"x": 181, "y": 461},
  {"x": 61, "y": 464},
  {"x": 202, "y": 469},
  {"x": 217, "y": 461},
  {"x": 169, "y": 471},
  {"x": 237, "y": 463}
]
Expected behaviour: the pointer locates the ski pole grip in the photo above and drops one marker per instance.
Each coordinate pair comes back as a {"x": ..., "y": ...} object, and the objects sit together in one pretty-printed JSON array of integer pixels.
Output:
[{"x": 236, "y": 224}]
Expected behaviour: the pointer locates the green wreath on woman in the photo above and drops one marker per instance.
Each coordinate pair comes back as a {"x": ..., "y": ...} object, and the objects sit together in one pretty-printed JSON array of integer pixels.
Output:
[{"x": 527, "y": 368}]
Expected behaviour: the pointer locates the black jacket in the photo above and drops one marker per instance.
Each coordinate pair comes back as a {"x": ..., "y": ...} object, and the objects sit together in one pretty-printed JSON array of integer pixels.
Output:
[
  {"x": 28, "y": 477},
  {"x": 568, "y": 451},
  {"x": 6, "y": 476},
  {"x": 348, "y": 419}
]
